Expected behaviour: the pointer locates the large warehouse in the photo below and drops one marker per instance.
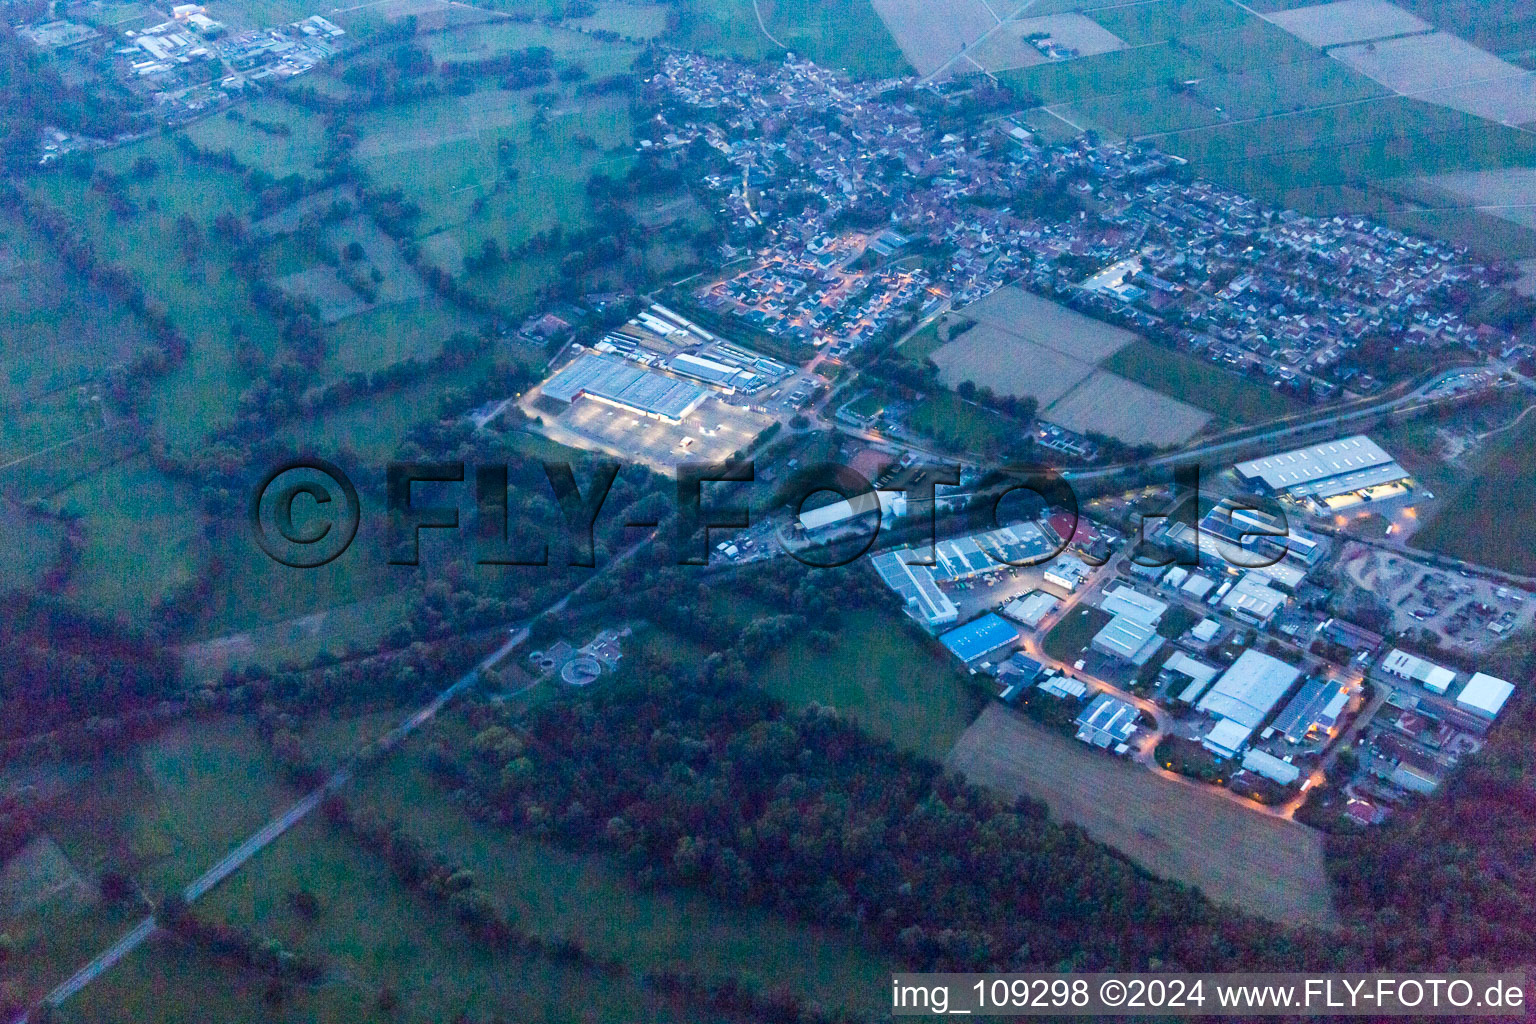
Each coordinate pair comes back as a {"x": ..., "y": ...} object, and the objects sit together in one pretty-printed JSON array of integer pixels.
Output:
[
  {"x": 922, "y": 598},
  {"x": 626, "y": 386},
  {"x": 1328, "y": 476},
  {"x": 975, "y": 640},
  {"x": 1250, "y": 689}
]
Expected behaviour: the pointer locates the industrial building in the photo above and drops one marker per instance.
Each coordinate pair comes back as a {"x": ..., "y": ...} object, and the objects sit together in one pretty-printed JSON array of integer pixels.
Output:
[
  {"x": 1123, "y": 600},
  {"x": 1248, "y": 691},
  {"x": 1226, "y": 737},
  {"x": 1232, "y": 536},
  {"x": 1484, "y": 695},
  {"x": 1271, "y": 767},
  {"x": 1252, "y": 599},
  {"x": 1198, "y": 674},
  {"x": 1131, "y": 635},
  {"x": 1330, "y": 476},
  {"x": 717, "y": 375},
  {"x": 976, "y": 640},
  {"x": 1063, "y": 686},
  {"x": 1108, "y": 722},
  {"x": 1315, "y": 708},
  {"x": 844, "y": 511},
  {"x": 625, "y": 385},
  {"x": 1068, "y": 572},
  {"x": 956, "y": 559},
  {"x": 1021, "y": 543},
  {"x": 1411, "y": 668},
  {"x": 1129, "y": 639},
  {"x": 1031, "y": 609},
  {"x": 921, "y": 597}
]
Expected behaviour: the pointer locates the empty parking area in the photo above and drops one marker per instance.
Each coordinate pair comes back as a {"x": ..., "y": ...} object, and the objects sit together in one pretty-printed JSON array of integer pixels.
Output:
[{"x": 1234, "y": 854}]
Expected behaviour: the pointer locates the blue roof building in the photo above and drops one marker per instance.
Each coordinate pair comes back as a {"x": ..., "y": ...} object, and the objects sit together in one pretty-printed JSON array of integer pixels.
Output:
[{"x": 975, "y": 640}]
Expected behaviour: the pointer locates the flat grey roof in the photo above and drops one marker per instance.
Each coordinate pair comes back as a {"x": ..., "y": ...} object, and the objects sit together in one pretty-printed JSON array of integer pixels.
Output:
[
  {"x": 1250, "y": 689},
  {"x": 1320, "y": 462},
  {"x": 625, "y": 384}
]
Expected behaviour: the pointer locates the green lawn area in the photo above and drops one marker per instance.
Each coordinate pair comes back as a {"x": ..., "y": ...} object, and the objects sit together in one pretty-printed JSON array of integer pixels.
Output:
[
  {"x": 1491, "y": 519},
  {"x": 372, "y": 932},
  {"x": 203, "y": 297},
  {"x": 164, "y": 813},
  {"x": 879, "y": 673},
  {"x": 142, "y": 537},
  {"x": 922, "y": 343},
  {"x": 635, "y": 20},
  {"x": 844, "y": 34},
  {"x": 962, "y": 426},
  {"x": 870, "y": 403},
  {"x": 1220, "y": 392},
  {"x": 265, "y": 147},
  {"x": 1069, "y": 637}
]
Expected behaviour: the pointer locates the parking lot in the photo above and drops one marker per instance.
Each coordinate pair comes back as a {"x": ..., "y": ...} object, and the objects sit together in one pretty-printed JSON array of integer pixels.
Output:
[
  {"x": 788, "y": 396},
  {"x": 712, "y": 432}
]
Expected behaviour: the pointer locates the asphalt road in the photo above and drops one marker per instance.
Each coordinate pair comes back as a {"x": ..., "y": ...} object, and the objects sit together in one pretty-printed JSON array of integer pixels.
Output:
[
  {"x": 274, "y": 829},
  {"x": 268, "y": 833}
]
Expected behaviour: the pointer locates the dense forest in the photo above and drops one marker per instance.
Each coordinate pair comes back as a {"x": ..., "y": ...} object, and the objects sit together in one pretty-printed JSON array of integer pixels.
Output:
[
  {"x": 707, "y": 783},
  {"x": 1452, "y": 880},
  {"x": 62, "y": 668}
]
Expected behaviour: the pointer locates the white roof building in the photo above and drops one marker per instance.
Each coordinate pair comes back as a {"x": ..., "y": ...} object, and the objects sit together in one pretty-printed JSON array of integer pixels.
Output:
[
  {"x": 1253, "y": 599},
  {"x": 840, "y": 511},
  {"x": 1325, "y": 470},
  {"x": 1250, "y": 689},
  {"x": 1226, "y": 738},
  {"x": 1107, "y": 722},
  {"x": 923, "y": 599},
  {"x": 1058, "y": 685},
  {"x": 1128, "y": 637},
  {"x": 1067, "y": 571},
  {"x": 1133, "y": 604},
  {"x": 1206, "y": 630},
  {"x": 1407, "y": 666},
  {"x": 1031, "y": 608},
  {"x": 1198, "y": 672},
  {"x": 1197, "y": 586},
  {"x": 1485, "y": 695},
  {"x": 1271, "y": 767}
]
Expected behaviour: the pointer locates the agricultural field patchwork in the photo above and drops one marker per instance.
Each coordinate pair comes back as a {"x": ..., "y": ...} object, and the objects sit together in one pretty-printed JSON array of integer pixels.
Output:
[
  {"x": 1253, "y": 105},
  {"x": 1442, "y": 69},
  {"x": 1027, "y": 346},
  {"x": 1348, "y": 21}
]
